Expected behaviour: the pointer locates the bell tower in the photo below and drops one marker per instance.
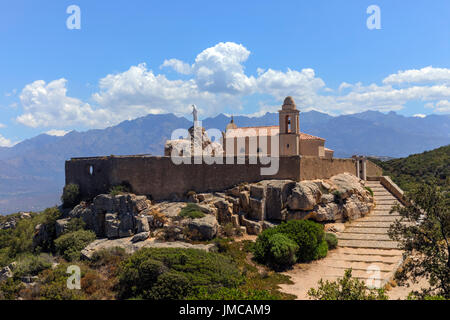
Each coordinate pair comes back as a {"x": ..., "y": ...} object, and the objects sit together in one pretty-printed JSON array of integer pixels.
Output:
[{"x": 289, "y": 128}]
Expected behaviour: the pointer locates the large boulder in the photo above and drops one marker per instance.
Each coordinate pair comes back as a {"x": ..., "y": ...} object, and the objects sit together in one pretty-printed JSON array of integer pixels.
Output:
[
  {"x": 347, "y": 184},
  {"x": 142, "y": 224},
  {"x": 252, "y": 227},
  {"x": 140, "y": 237},
  {"x": 205, "y": 227},
  {"x": 277, "y": 194},
  {"x": 42, "y": 235},
  {"x": 328, "y": 212},
  {"x": 61, "y": 226},
  {"x": 305, "y": 196},
  {"x": 224, "y": 211},
  {"x": 354, "y": 208},
  {"x": 5, "y": 273},
  {"x": 112, "y": 224},
  {"x": 131, "y": 247}
]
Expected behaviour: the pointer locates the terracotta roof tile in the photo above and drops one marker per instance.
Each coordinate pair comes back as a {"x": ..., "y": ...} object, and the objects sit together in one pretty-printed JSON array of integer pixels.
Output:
[{"x": 266, "y": 131}]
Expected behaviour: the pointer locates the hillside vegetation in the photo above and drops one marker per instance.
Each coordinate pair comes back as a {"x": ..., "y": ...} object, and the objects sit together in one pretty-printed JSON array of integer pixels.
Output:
[{"x": 431, "y": 168}]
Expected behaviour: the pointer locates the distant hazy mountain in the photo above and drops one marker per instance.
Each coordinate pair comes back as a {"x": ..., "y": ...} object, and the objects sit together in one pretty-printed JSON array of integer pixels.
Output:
[{"x": 32, "y": 172}]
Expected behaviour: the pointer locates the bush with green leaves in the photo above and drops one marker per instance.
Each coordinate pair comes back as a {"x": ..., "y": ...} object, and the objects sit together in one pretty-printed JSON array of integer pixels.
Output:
[
  {"x": 71, "y": 195},
  {"x": 307, "y": 235},
  {"x": 331, "y": 240},
  {"x": 282, "y": 251},
  {"x": 234, "y": 294},
  {"x": 119, "y": 189},
  {"x": 423, "y": 232},
  {"x": 346, "y": 288},
  {"x": 69, "y": 245},
  {"x": 31, "y": 265},
  {"x": 19, "y": 240},
  {"x": 191, "y": 210},
  {"x": 10, "y": 288},
  {"x": 157, "y": 273}
]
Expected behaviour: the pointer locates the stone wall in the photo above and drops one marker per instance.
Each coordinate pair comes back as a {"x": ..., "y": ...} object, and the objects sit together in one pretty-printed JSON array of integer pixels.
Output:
[
  {"x": 312, "y": 168},
  {"x": 160, "y": 178},
  {"x": 373, "y": 170}
]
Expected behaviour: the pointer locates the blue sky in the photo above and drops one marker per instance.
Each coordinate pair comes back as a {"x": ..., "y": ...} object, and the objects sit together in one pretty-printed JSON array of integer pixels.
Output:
[{"x": 235, "y": 57}]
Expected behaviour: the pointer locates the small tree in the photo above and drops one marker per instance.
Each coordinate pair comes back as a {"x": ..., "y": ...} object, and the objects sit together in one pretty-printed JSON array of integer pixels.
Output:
[
  {"x": 424, "y": 234},
  {"x": 71, "y": 195},
  {"x": 346, "y": 288}
]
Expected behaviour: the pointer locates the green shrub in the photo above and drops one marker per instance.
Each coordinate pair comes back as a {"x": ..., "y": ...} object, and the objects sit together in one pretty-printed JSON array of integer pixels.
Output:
[
  {"x": 119, "y": 189},
  {"x": 170, "y": 286},
  {"x": 234, "y": 294},
  {"x": 53, "y": 285},
  {"x": 71, "y": 195},
  {"x": 346, "y": 288},
  {"x": 307, "y": 235},
  {"x": 70, "y": 244},
  {"x": 75, "y": 224},
  {"x": 32, "y": 265},
  {"x": 150, "y": 272},
  {"x": 282, "y": 251},
  {"x": 10, "y": 288},
  {"x": 322, "y": 250},
  {"x": 331, "y": 240},
  {"x": 191, "y": 210}
]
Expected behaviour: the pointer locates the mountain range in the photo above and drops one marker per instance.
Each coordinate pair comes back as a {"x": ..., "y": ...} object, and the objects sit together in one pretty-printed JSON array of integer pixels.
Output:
[{"x": 32, "y": 172}]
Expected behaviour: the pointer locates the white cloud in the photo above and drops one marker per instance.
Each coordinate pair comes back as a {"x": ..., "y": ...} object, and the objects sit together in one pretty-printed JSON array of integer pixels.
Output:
[
  {"x": 177, "y": 65},
  {"x": 440, "y": 106},
  {"x": 48, "y": 105},
  {"x": 424, "y": 75},
  {"x": 57, "y": 133},
  {"x": 216, "y": 81},
  {"x": 2, "y": 125},
  {"x": 5, "y": 142},
  {"x": 420, "y": 115}
]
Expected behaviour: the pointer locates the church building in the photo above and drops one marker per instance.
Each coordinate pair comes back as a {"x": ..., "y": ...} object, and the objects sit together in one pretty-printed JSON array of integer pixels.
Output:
[{"x": 291, "y": 140}]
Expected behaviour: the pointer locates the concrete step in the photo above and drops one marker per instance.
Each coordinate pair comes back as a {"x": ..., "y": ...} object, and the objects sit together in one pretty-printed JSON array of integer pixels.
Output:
[
  {"x": 369, "y": 244},
  {"x": 387, "y": 207},
  {"x": 361, "y": 266},
  {"x": 379, "y": 188},
  {"x": 366, "y": 230},
  {"x": 373, "y": 252},
  {"x": 367, "y": 258},
  {"x": 384, "y": 213},
  {"x": 378, "y": 218},
  {"x": 381, "y": 194},
  {"x": 386, "y": 202},
  {"x": 358, "y": 274},
  {"x": 363, "y": 236},
  {"x": 370, "y": 224}
]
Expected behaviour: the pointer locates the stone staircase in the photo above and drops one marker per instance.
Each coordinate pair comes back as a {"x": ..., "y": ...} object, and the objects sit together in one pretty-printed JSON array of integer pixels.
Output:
[{"x": 365, "y": 246}]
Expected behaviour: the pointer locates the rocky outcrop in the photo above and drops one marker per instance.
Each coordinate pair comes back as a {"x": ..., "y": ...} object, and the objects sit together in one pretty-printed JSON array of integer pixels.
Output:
[
  {"x": 114, "y": 216},
  {"x": 250, "y": 207},
  {"x": 130, "y": 247},
  {"x": 305, "y": 196},
  {"x": 6, "y": 273},
  {"x": 206, "y": 228},
  {"x": 11, "y": 221}
]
